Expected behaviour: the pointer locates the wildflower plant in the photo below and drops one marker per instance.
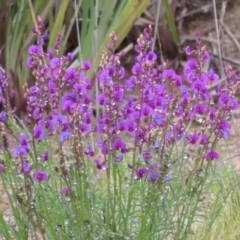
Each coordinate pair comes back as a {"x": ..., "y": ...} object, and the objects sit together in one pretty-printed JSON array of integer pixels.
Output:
[{"x": 126, "y": 173}]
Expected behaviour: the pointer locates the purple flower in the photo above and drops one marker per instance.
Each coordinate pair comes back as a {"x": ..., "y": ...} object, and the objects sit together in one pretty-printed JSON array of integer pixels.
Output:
[
  {"x": 50, "y": 53},
  {"x": 102, "y": 145},
  {"x": 30, "y": 62},
  {"x": 147, "y": 110},
  {"x": 39, "y": 132},
  {"x": 111, "y": 70},
  {"x": 191, "y": 65},
  {"x": 40, "y": 176},
  {"x": 100, "y": 165},
  {"x": 104, "y": 78},
  {"x": 56, "y": 63},
  {"x": 37, "y": 113},
  {"x": 89, "y": 152},
  {"x": 212, "y": 113},
  {"x": 118, "y": 96},
  {"x": 119, "y": 145},
  {"x": 192, "y": 138},
  {"x": 65, "y": 191},
  {"x": 69, "y": 56},
  {"x": 198, "y": 86},
  {"x": 35, "y": 50},
  {"x": 45, "y": 155},
  {"x": 159, "y": 118},
  {"x": 19, "y": 151},
  {"x": 212, "y": 155},
  {"x": 147, "y": 155},
  {"x": 178, "y": 80},
  {"x": 119, "y": 158},
  {"x": 34, "y": 90},
  {"x": 122, "y": 73},
  {"x": 3, "y": 116},
  {"x": 1, "y": 168},
  {"x": 200, "y": 108},
  {"x": 26, "y": 167},
  {"x": 140, "y": 173},
  {"x": 130, "y": 126},
  {"x": 86, "y": 65},
  {"x": 136, "y": 69},
  {"x": 65, "y": 136},
  {"x": 101, "y": 99},
  {"x": 80, "y": 88},
  {"x": 226, "y": 102},
  {"x": 203, "y": 140},
  {"x": 188, "y": 50},
  {"x": 212, "y": 76},
  {"x": 153, "y": 174},
  {"x": 169, "y": 74},
  {"x": 151, "y": 56},
  {"x": 223, "y": 127},
  {"x": 205, "y": 56}
]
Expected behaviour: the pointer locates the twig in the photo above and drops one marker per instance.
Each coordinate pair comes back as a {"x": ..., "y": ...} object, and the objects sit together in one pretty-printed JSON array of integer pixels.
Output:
[
  {"x": 128, "y": 48},
  {"x": 218, "y": 37},
  {"x": 193, "y": 38},
  {"x": 201, "y": 9},
  {"x": 228, "y": 59},
  {"x": 228, "y": 31},
  {"x": 156, "y": 24}
]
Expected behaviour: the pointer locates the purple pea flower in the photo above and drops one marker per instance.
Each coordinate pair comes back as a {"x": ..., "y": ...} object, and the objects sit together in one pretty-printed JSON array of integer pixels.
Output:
[
  {"x": 151, "y": 56},
  {"x": 119, "y": 145},
  {"x": 136, "y": 69},
  {"x": 212, "y": 155},
  {"x": 89, "y": 152},
  {"x": 140, "y": 173},
  {"x": 19, "y": 151},
  {"x": 147, "y": 155},
  {"x": 69, "y": 56},
  {"x": 205, "y": 56},
  {"x": 39, "y": 132},
  {"x": 86, "y": 65},
  {"x": 104, "y": 78},
  {"x": 188, "y": 50},
  {"x": 100, "y": 165},
  {"x": 147, "y": 110},
  {"x": 200, "y": 108},
  {"x": 130, "y": 126},
  {"x": 30, "y": 62},
  {"x": 101, "y": 99},
  {"x": 191, "y": 65},
  {"x": 212, "y": 76},
  {"x": 169, "y": 74},
  {"x": 1, "y": 168},
  {"x": 203, "y": 140},
  {"x": 224, "y": 128},
  {"x": 45, "y": 155},
  {"x": 35, "y": 50},
  {"x": 226, "y": 102},
  {"x": 56, "y": 62},
  {"x": 178, "y": 80},
  {"x": 192, "y": 138},
  {"x": 26, "y": 167},
  {"x": 198, "y": 86},
  {"x": 40, "y": 176},
  {"x": 212, "y": 113},
  {"x": 3, "y": 116},
  {"x": 119, "y": 158},
  {"x": 65, "y": 136},
  {"x": 65, "y": 191},
  {"x": 153, "y": 174}
]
